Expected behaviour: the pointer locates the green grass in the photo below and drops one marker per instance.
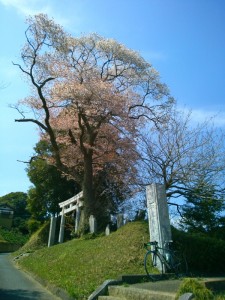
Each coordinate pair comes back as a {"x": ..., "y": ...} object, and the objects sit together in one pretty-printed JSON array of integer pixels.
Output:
[
  {"x": 198, "y": 288},
  {"x": 219, "y": 296},
  {"x": 192, "y": 285},
  {"x": 2, "y": 239},
  {"x": 81, "y": 265}
]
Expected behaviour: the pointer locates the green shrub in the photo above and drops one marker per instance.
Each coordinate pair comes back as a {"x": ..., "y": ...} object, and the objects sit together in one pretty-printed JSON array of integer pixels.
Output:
[
  {"x": 204, "y": 255},
  {"x": 33, "y": 225},
  {"x": 191, "y": 285},
  {"x": 20, "y": 224},
  {"x": 38, "y": 240},
  {"x": 13, "y": 236},
  {"x": 1, "y": 238},
  {"x": 219, "y": 296}
]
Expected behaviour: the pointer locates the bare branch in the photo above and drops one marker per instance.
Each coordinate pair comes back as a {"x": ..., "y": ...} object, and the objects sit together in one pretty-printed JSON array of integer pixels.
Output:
[
  {"x": 41, "y": 125},
  {"x": 177, "y": 206}
]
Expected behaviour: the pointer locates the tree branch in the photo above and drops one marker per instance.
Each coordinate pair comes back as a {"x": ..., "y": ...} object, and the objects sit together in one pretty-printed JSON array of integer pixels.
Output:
[
  {"x": 178, "y": 208},
  {"x": 33, "y": 121}
]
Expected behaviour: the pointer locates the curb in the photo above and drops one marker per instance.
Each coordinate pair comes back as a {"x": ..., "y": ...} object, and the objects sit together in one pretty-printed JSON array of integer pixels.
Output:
[{"x": 58, "y": 292}]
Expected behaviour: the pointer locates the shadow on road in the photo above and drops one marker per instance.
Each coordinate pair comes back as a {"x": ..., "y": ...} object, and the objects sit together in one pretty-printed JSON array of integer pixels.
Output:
[{"x": 20, "y": 295}]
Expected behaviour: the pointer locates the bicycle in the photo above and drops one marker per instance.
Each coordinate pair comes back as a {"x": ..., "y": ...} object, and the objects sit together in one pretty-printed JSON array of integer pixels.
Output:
[{"x": 165, "y": 259}]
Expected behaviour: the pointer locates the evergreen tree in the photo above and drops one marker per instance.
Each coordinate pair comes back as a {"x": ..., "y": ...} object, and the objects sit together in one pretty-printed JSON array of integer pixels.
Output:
[
  {"x": 203, "y": 208},
  {"x": 49, "y": 186},
  {"x": 18, "y": 201}
]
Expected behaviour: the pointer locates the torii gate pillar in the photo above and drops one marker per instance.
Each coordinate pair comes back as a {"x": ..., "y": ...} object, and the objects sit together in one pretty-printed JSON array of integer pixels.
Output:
[
  {"x": 51, "y": 238},
  {"x": 62, "y": 225}
]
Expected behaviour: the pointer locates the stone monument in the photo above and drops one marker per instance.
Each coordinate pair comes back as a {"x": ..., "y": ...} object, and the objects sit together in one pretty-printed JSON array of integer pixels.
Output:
[{"x": 158, "y": 214}]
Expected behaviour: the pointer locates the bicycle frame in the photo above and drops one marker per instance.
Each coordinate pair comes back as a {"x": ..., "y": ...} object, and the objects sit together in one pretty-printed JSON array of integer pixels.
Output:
[
  {"x": 163, "y": 260},
  {"x": 168, "y": 259},
  {"x": 162, "y": 254}
]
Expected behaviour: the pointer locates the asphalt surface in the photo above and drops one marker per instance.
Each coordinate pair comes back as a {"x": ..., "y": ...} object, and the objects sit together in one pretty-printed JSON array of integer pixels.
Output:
[{"x": 17, "y": 285}]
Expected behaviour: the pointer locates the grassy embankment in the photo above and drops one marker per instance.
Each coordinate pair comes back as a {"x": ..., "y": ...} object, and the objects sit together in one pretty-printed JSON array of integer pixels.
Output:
[{"x": 81, "y": 265}]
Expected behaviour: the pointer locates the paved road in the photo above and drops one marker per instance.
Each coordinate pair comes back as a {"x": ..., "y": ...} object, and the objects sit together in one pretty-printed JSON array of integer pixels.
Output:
[{"x": 17, "y": 285}]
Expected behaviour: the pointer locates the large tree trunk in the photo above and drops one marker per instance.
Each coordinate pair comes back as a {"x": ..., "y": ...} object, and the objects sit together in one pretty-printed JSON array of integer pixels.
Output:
[{"x": 88, "y": 192}]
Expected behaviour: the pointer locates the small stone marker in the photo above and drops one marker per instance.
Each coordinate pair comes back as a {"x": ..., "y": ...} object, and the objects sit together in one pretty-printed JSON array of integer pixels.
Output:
[
  {"x": 120, "y": 220},
  {"x": 107, "y": 230},
  {"x": 92, "y": 224},
  {"x": 140, "y": 215}
]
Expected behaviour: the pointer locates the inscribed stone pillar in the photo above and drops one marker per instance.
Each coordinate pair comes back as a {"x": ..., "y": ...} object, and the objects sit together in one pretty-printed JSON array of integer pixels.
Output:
[
  {"x": 51, "y": 237},
  {"x": 62, "y": 225},
  {"x": 158, "y": 214}
]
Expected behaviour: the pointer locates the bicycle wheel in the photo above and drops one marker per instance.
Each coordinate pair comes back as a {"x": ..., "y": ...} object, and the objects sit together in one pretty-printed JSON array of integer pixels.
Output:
[
  {"x": 179, "y": 265},
  {"x": 152, "y": 262}
]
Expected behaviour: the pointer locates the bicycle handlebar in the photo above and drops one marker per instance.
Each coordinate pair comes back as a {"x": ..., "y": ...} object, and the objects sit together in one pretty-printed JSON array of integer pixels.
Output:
[
  {"x": 146, "y": 245},
  {"x": 152, "y": 243},
  {"x": 155, "y": 243}
]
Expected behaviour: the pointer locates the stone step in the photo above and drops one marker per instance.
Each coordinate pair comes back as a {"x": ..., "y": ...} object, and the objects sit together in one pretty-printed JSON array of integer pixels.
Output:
[{"x": 130, "y": 293}]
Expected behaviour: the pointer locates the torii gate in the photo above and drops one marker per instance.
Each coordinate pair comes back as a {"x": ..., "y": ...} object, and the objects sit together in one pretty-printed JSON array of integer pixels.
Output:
[{"x": 69, "y": 205}]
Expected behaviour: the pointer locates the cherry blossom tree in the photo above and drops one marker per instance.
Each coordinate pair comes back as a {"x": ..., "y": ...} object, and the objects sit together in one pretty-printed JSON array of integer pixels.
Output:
[{"x": 90, "y": 95}]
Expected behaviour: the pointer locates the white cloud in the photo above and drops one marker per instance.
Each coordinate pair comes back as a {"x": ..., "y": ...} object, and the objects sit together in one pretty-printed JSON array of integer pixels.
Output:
[
  {"x": 25, "y": 7},
  {"x": 33, "y": 7},
  {"x": 216, "y": 116}
]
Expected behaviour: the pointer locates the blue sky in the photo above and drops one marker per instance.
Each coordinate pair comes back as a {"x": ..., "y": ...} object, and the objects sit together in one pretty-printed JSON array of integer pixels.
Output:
[{"x": 183, "y": 39}]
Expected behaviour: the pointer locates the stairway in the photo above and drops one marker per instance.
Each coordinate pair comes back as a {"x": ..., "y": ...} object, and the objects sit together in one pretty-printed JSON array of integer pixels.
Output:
[{"x": 131, "y": 293}]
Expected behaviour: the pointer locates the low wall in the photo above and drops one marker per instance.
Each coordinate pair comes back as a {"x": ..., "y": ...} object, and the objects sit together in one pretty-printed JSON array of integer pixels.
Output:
[{"x": 8, "y": 247}]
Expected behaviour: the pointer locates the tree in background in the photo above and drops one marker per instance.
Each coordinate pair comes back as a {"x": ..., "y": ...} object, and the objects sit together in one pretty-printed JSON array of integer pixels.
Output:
[
  {"x": 50, "y": 187},
  {"x": 18, "y": 201},
  {"x": 111, "y": 193},
  {"x": 202, "y": 212},
  {"x": 180, "y": 153},
  {"x": 188, "y": 158},
  {"x": 90, "y": 95}
]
